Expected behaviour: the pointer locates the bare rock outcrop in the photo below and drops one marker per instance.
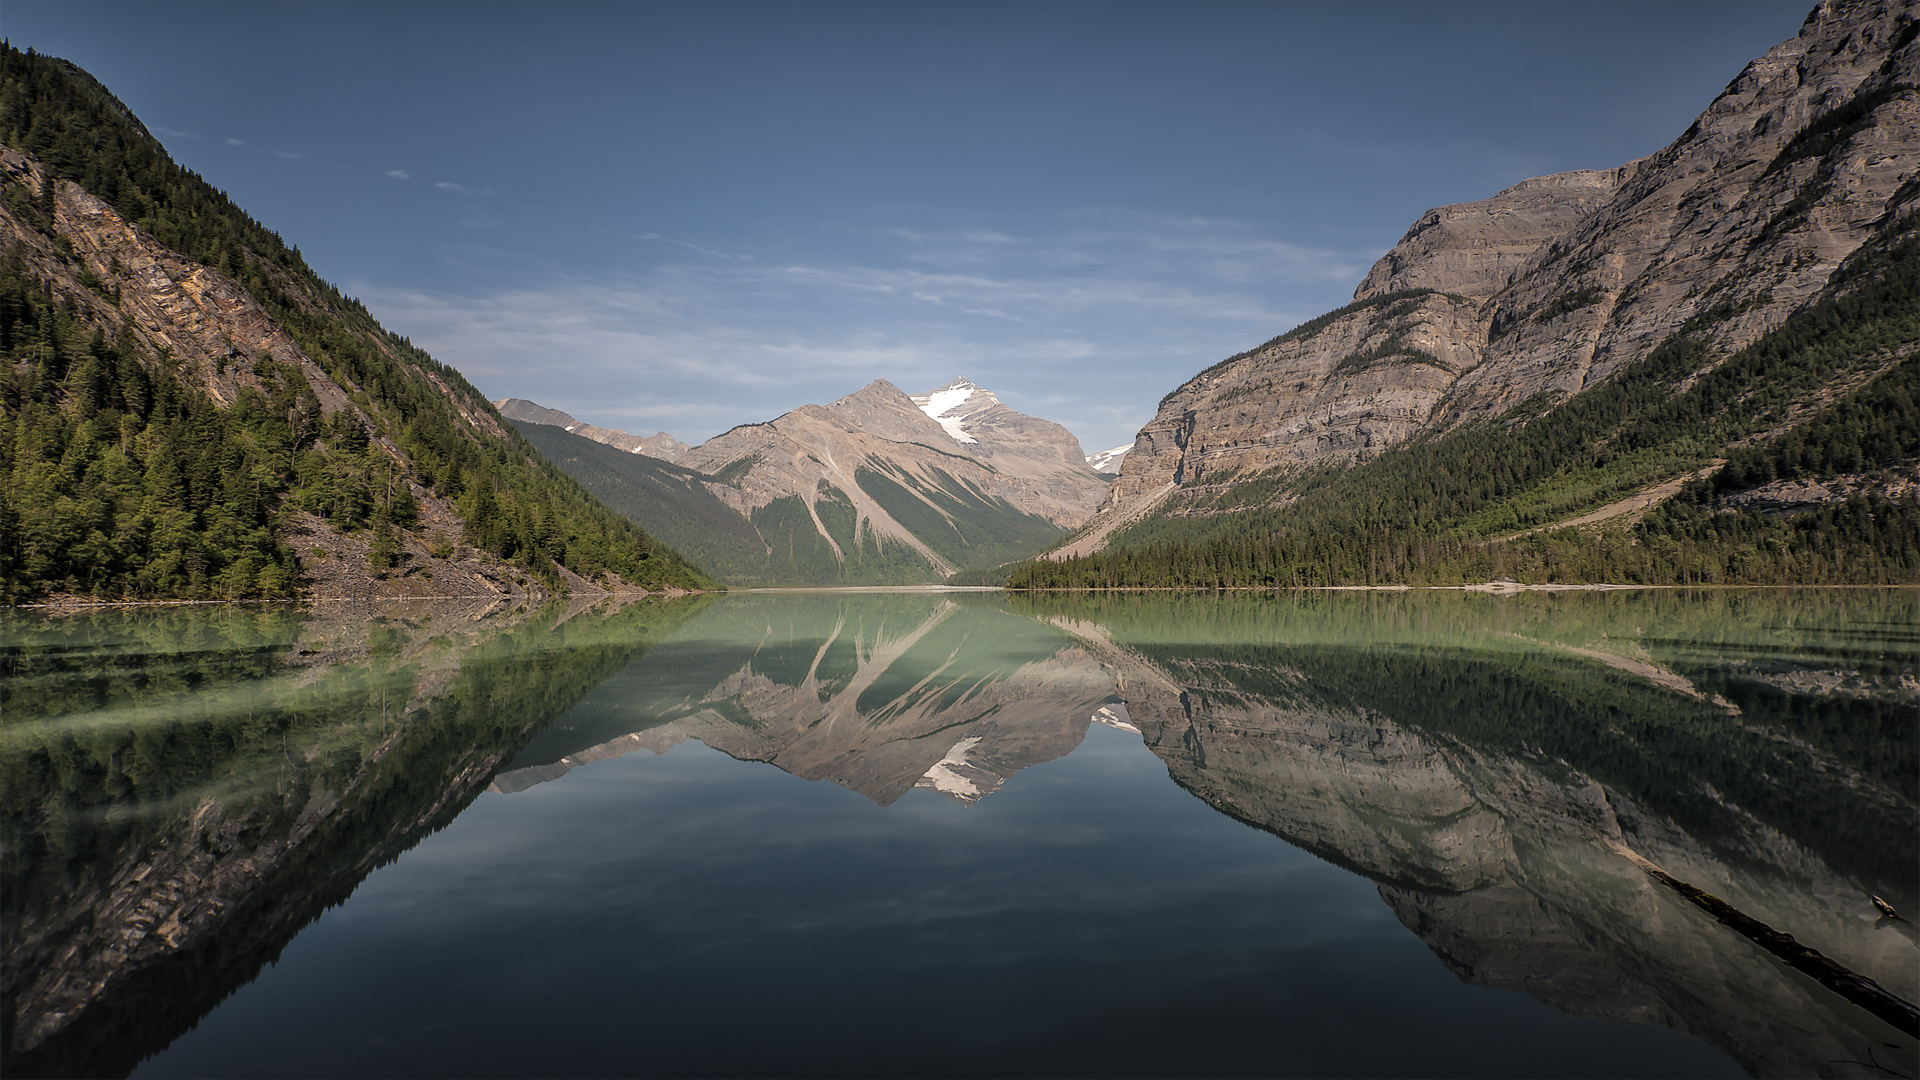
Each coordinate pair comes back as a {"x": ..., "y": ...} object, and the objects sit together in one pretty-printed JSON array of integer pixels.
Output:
[{"x": 1474, "y": 249}]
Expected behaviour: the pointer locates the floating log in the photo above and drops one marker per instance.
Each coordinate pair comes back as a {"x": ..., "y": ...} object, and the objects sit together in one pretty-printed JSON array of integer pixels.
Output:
[{"x": 1849, "y": 984}]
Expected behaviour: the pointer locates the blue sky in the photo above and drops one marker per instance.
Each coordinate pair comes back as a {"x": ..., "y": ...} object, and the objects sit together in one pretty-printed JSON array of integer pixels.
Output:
[{"x": 681, "y": 217}]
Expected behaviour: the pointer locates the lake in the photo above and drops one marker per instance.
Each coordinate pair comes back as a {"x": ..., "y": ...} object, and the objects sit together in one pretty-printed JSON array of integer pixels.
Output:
[{"x": 968, "y": 834}]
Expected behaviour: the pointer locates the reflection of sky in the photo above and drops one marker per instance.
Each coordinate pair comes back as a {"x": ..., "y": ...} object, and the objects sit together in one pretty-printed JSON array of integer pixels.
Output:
[{"x": 692, "y": 914}]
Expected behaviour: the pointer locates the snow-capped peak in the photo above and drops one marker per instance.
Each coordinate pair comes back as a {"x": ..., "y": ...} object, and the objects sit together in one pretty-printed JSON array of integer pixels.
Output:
[
  {"x": 950, "y": 405},
  {"x": 1108, "y": 461}
]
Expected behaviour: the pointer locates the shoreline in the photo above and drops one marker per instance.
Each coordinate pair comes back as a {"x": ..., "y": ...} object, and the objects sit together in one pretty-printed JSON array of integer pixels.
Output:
[
  {"x": 1488, "y": 588},
  {"x": 365, "y": 601}
]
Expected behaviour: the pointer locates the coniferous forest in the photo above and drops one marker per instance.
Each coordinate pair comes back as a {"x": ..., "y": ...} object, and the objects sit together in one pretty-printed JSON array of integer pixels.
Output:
[{"x": 126, "y": 479}]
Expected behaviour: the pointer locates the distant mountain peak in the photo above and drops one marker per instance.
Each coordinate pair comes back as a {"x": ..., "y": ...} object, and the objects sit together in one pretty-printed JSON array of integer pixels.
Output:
[
  {"x": 659, "y": 445},
  {"x": 1108, "y": 461},
  {"x": 950, "y": 406}
]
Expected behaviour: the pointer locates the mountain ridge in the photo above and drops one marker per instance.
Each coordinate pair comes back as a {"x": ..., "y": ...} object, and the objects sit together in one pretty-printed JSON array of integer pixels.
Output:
[
  {"x": 875, "y": 487},
  {"x": 659, "y": 445},
  {"x": 1795, "y": 187}
]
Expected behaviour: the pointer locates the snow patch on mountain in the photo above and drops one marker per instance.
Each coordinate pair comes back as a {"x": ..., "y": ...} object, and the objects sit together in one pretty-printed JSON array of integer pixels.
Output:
[
  {"x": 1108, "y": 461},
  {"x": 949, "y": 775},
  {"x": 950, "y": 405},
  {"x": 1115, "y": 716}
]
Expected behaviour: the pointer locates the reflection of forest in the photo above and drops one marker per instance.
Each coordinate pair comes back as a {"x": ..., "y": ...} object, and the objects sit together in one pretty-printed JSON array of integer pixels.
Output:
[
  {"x": 1480, "y": 759},
  {"x": 185, "y": 789},
  {"x": 878, "y": 693}
]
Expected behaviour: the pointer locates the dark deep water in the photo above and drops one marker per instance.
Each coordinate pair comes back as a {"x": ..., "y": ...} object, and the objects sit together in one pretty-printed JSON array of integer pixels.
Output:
[{"x": 1319, "y": 834}]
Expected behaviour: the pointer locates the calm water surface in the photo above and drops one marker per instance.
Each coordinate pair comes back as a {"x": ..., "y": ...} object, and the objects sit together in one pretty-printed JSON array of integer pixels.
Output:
[{"x": 962, "y": 834}]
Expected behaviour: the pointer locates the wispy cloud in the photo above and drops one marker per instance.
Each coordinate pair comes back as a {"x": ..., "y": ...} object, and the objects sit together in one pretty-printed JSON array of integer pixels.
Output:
[
  {"x": 695, "y": 247},
  {"x": 399, "y": 174},
  {"x": 290, "y": 155},
  {"x": 448, "y": 185},
  {"x": 236, "y": 142},
  {"x": 176, "y": 133},
  {"x": 1086, "y": 319}
]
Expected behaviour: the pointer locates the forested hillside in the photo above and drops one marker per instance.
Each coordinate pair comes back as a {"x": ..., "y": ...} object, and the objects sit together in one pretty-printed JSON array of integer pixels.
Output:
[
  {"x": 1472, "y": 504},
  {"x": 185, "y": 406},
  {"x": 1695, "y": 367}
]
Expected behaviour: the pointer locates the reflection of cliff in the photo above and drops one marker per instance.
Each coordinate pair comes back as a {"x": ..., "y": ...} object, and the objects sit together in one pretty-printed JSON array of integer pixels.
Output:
[
  {"x": 880, "y": 694},
  {"x": 1483, "y": 783},
  {"x": 185, "y": 791}
]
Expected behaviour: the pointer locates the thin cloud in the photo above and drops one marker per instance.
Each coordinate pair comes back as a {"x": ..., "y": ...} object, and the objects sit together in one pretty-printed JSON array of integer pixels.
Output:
[
  {"x": 289, "y": 155},
  {"x": 236, "y": 142},
  {"x": 448, "y": 185},
  {"x": 176, "y": 133},
  {"x": 400, "y": 174},
  {"x": 696, "y": 247},
  {"x": 1089, "y": 317}
]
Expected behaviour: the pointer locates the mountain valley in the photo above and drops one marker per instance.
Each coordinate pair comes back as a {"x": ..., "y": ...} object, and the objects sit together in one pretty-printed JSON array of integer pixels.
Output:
[
  {"x": 1698, "y": 367},
  {"x": 878, "y": 487}
]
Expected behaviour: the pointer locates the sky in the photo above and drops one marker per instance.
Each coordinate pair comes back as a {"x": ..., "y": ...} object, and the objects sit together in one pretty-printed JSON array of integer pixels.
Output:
[{"x": 683, "y": 217}]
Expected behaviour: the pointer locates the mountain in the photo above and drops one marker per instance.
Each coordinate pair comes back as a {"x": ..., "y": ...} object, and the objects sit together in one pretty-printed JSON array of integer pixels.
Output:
[
  {"x": 878, "y": 487},
  {"x": 659, "y": 445},
  {"x": 1632, "y": 351},
  {"x": 188, "y": 411}
]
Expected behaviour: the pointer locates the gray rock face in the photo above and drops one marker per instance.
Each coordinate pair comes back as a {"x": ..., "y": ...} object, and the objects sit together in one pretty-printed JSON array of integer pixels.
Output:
[
  {"x": 1556, "y": 282},
  {"x": 1360, "y": 383},
  {"x": 1474, "y": 249},
  {"x": 660, "y": 444},
  {"x": 1737, "y": 223}
]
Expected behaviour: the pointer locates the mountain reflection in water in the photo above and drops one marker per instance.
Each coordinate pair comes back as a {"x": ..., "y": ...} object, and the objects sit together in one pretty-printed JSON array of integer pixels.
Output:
[{"x": 186, "y": 792}]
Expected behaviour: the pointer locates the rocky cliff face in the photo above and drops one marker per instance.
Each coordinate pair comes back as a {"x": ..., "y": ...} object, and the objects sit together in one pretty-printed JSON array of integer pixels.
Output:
[
  {"x": 1555, "y": 283},
  {"x": 660, "y": 444}
]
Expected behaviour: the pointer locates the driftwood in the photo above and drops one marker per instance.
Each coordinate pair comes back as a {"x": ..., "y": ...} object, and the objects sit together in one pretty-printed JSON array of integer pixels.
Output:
[{"x": 1849, "y": 984}]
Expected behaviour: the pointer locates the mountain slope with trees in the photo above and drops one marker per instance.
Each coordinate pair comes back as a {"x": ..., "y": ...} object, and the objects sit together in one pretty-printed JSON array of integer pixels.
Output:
[
  {"x": 188, "y": 411},
  {"x": 1724, "y": 330}
]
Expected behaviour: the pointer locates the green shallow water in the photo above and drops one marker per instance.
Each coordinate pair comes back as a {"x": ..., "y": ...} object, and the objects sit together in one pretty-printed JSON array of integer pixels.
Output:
[{"x": 961, "y": 834}]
